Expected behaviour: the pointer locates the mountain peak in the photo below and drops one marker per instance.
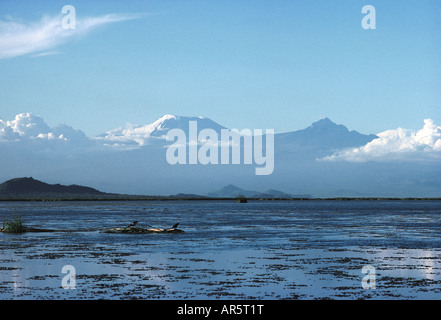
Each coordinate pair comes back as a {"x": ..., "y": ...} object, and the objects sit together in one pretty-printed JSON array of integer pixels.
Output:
[
  {"x": 167, "y": 117},
  {"x": 160, "y": 127},
  {"x": 321, "y": 138},
  {"x": 327, "y": 125},
  {"x": 231, "y": 191},
  {"x": 140, "y": 134},
  {"x": 325, "y": 122}
]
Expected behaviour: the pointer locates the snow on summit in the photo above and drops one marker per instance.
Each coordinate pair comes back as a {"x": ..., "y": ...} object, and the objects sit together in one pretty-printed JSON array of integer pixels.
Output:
[{"x": 139, "y": 134}]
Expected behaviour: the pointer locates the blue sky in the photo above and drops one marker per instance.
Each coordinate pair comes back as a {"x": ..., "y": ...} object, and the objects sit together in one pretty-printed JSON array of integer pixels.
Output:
[{"x": 245, "y": 64}]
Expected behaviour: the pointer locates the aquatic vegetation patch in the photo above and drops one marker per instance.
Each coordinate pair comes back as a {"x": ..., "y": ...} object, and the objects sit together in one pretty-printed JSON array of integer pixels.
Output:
[{"x": 14, "y": 225}]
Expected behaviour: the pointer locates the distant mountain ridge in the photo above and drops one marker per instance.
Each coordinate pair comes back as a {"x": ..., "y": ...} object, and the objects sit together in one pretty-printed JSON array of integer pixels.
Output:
[
  {"x": 321, "y": 137},
  {"x": 29, "y": 188},
  {"x": 232, "y": 191}
]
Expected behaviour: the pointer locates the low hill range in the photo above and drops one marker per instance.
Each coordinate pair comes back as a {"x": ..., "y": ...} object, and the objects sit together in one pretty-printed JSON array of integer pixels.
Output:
[
  {"x": 32, "y": 189},
  {"x": 231, "y": 191}
]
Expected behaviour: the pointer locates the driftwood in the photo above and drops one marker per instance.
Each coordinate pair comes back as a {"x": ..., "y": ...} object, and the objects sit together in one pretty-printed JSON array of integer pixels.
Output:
[
  {"x": 127, "y": 230},
  {"x": 137, "y": 230}
]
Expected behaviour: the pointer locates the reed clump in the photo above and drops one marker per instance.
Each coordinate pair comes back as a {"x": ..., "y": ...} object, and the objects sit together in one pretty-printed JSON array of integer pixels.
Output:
[{"x": 13, "y": 225}]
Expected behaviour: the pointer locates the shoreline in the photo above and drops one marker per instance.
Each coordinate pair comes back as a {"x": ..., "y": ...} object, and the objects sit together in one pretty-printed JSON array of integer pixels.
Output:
[{"x": 165, "y": 198}]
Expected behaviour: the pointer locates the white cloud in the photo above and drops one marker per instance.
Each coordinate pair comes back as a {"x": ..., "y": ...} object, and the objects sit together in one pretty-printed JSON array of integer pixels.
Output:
[
  {"x": 43, "y": 54},
  {"x": 28, "y": 126},
  {"x": 18, "y": 38},
  {"x": 129, "y": 135},
  {"x": 399, "y": 144}
]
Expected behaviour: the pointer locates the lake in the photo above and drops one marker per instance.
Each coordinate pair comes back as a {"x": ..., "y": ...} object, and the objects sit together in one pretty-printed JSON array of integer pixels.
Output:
[{"x": 255, "y": 250}]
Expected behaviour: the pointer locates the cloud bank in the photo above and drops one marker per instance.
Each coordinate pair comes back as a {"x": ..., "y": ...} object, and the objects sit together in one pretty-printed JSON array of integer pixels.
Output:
[
  {"x": 18, "y": 38},
  {"x": 27, "y": 126},
  {"x": 398, "y": 144}
]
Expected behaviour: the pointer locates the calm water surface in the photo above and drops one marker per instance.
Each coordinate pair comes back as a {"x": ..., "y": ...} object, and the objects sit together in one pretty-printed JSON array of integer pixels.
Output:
[{"x": 258, "y": 250}]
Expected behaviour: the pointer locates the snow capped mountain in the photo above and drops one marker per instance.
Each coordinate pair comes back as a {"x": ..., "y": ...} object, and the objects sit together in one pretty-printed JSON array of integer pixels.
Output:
[
  {"x": 161, "y": 126},
  {"x": 141, "y": 134}
]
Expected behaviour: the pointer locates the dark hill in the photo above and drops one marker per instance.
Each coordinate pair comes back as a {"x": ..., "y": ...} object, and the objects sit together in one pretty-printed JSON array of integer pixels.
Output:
[{"x": 31, "y": 188}]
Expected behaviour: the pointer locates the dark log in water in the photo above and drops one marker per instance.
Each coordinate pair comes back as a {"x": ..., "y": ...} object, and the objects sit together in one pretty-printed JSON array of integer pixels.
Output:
[{"x": 137, "y": 230}]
